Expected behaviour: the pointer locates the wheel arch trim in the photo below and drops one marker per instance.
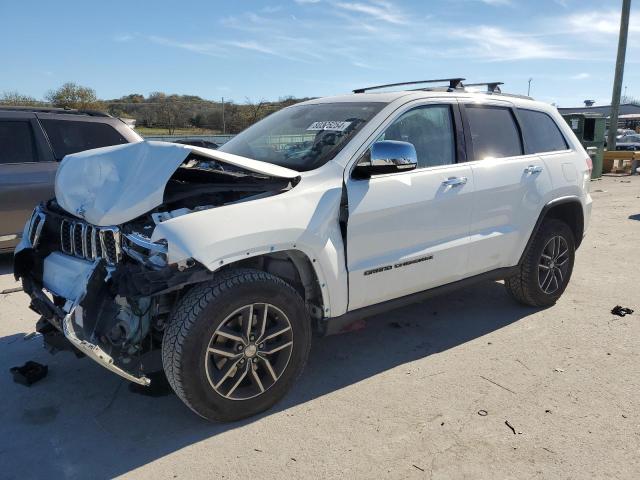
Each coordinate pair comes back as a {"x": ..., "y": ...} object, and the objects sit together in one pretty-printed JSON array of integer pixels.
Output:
[{"x": 556, "y": 202}]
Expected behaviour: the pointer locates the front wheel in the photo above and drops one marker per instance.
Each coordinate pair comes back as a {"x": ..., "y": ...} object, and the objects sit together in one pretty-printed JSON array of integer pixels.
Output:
[
  {"x": 235, "y": 345},
  {"x": 547, "y": 266}
]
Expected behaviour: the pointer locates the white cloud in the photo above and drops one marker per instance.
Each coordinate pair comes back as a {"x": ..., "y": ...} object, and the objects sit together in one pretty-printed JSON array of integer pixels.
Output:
[
  {"x": 580, "y": 76},
  {"x": 498, "y": 3},
  {"x": 122, "y": 37},
  {"x": 249, "y": 45},
  {"x": 377, "y": 9},
  {"x": 607, "y": 22},
  {"x": 267, "y": 50},
  {"x": 306, "y": 2},
  {"x": 497, "y": 44},
  {"x": 210, "y": 49}
]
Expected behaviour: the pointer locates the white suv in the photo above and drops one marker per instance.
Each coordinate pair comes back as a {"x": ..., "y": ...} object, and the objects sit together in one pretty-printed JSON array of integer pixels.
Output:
[{"x": 217, "y": 265}]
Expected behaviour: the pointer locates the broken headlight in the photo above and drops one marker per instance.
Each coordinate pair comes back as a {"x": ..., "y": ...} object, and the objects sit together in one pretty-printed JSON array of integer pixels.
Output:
[{"x": 141, "y": 248}]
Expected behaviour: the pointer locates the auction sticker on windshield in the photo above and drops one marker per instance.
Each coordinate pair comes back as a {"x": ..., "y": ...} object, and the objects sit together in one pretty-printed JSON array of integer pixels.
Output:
[{"x": 329, "y": 125}]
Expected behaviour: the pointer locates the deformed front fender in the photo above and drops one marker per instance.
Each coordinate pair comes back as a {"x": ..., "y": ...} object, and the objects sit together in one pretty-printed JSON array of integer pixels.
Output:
[{"x": 304, "y": 218}]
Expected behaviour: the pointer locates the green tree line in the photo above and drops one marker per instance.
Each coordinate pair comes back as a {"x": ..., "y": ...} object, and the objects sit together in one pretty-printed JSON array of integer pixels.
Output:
[{"x": 159, "y": 109}]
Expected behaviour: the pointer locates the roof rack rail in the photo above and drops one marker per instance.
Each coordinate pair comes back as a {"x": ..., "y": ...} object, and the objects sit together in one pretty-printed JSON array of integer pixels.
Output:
[
  {"x": 493, "y": 87},
  {"x": 69, "y": 111},
  {"x": 453, "y": 84}
]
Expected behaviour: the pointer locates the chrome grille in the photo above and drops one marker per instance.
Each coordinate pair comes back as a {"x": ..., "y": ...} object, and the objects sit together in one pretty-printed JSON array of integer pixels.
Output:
[
  {"x": 35, "y": 226},
  {"x": 90, "y": 242}
]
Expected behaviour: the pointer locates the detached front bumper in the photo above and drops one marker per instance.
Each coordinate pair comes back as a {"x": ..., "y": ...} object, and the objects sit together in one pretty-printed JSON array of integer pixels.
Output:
[
  {"x": 92, "y": 351},
  {"x": 77, "y": 287}
]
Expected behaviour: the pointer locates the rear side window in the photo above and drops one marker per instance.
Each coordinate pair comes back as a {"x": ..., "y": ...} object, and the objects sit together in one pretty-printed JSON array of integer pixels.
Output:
[
  {"x": 494, "y": 132},
  {"x": 17, "y": 144},
  {"x": 68, "y": 137},
  {"x": 541, "y": 133}
]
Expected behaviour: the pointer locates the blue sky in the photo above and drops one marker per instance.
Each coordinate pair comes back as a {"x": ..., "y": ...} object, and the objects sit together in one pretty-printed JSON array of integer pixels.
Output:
[{"x": 274, "y": 48}]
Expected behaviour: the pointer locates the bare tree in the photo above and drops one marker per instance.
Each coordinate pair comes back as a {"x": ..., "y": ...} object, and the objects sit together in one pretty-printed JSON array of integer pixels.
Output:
[
  {"x": 255, "y": 109},
  {"x": 14, "y": 98}
]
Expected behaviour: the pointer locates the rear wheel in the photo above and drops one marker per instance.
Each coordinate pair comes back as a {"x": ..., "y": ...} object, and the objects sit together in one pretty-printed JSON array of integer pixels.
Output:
[
  {"x": 547, "y": 266},
  {"x": 235, "y": 345}
]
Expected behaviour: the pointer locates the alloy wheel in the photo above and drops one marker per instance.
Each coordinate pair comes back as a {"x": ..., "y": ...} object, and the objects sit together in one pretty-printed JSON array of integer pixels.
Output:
[
  {"x": 249, "y": 351},
  {"x": 553, "y": 265}
]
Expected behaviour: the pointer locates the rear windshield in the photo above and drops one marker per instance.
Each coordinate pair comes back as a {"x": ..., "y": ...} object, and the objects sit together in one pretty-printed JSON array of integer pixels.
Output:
[
  {"x": 303, "y": 137},
  {"x": 68, "y": 136}
]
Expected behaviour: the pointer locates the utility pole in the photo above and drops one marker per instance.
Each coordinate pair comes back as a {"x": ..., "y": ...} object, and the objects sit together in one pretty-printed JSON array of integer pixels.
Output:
[
  {"x": 224, "y": 125},
  {"x": 617, "y": 82},
  {"x": 529, "y": 89}
]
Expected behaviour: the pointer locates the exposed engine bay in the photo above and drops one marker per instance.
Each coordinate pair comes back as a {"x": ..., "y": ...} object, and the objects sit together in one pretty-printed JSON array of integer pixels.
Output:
[{"x": 106, "y": 291}]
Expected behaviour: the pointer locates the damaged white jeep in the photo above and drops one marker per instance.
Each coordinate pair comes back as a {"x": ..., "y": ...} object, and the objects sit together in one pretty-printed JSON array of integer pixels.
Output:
[{"x": 218, "y": 266}]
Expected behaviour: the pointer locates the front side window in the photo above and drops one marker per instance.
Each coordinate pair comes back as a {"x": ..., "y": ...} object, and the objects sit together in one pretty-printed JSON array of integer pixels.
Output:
[
  {"x": 68, "y": 136},
  {"x": 494, "y": 132},
  {"x": 540, "y": 132},
  {"x": 430, "y": 130},
  {"x": 17, "y": 144},
  {"x": 303, "y": 137}
]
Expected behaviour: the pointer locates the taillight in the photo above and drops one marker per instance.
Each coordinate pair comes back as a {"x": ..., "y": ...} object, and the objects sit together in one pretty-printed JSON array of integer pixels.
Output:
[{"x": 589, "y": 164}]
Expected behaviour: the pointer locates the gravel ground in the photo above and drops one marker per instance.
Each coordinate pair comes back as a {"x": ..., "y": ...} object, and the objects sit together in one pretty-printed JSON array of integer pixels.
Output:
[{"x": 399, "y": 399}]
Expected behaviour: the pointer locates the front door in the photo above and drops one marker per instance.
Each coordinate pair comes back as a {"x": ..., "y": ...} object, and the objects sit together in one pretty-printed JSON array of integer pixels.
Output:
[{"x": 409, "y": 231}]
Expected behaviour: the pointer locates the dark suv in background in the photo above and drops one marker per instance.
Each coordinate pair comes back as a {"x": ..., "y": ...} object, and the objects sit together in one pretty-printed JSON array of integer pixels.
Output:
[{"x": 32, "y": 142}]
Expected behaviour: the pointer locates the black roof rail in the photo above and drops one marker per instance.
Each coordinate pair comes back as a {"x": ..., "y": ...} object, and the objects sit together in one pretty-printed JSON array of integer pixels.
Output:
[
  {"x": 453, "y": 83},
  {"x": 493, "y": 87},
  {"x": 66, "y": 111}
]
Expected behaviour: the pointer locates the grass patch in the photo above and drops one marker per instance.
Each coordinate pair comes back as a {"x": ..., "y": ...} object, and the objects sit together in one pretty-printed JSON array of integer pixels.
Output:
[{"x": 178, "y": 131}]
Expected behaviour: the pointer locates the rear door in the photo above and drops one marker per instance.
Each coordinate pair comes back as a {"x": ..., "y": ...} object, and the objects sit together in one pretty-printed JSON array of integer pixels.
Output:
[
  {"x": 27, "y": 173},
  {"x": 409, "y": 231},
  {"x": 510, "y": 185}
]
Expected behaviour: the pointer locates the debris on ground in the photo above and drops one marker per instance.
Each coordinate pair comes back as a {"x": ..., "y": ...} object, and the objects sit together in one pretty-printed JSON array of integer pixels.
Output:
[
  {"x": 11, "y": 290},
  {"x": 506, "y": 422},
  {"x": 621, "y": 311},
  {"x": 416, "y": 466},
  {"x": 355, "y": 326},
  {"x": 483, "y": 413},
  {"x": 561, "y": 370},
  {"x": 497, "y": 384},
  {"x": 29, "y": 373}
]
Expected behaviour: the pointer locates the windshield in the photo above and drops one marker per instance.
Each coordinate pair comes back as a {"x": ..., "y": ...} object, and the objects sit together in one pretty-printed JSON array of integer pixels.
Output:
[{"x": 303, "y": 137}]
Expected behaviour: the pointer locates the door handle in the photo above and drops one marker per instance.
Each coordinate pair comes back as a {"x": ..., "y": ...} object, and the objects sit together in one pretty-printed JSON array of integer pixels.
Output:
[
  {"x": 533, "y": 169},
  {"x": 455, "y": 181}
]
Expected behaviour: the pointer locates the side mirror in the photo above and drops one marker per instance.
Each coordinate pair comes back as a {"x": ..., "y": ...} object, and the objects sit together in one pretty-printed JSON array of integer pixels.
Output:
[{"x": 386, "y": 156}]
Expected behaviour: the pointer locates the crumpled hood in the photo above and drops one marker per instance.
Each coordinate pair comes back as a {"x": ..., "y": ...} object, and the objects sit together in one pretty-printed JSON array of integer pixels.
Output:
[{"x": 112, "y": 185}]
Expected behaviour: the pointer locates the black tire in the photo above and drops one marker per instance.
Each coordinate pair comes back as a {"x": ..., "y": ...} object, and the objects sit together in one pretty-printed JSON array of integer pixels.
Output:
[
  {"x": 196, "y": 319},
  {"x": 526, "y": 287}
]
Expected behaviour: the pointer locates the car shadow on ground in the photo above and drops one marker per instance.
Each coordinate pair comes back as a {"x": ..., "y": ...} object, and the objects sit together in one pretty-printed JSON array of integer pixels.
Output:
[
  {"x": 6, "y": 263},
  {"x": 83, "y": 422}
]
